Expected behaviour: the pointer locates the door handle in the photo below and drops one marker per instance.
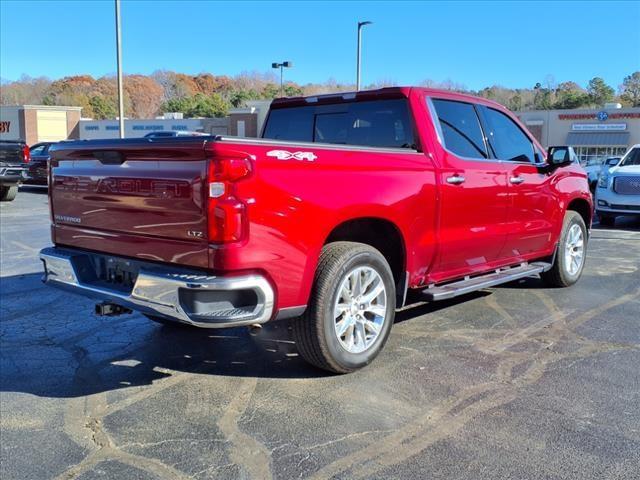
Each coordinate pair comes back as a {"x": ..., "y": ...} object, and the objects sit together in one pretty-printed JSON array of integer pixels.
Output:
[
  {"x": 455, "y": 179},
  {"x": 516, "y": 180}
]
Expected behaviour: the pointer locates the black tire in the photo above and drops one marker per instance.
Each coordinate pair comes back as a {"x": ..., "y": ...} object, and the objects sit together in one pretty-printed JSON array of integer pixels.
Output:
[
  {"x": 559, "y": 275},
  {"x": 607, "y": 220},
  {"x": 168, "y": 323},
  {"x": 314, "y": 332},
  {"x": 7, "y": 194}
]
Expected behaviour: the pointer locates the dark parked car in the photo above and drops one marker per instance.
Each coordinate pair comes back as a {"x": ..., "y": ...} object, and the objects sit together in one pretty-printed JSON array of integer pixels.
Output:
[
  {"x": 14, "y": 159},
  {"x": 37, "y": 172}
]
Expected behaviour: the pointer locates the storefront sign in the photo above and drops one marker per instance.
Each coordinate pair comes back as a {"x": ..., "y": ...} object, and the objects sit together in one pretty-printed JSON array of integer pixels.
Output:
[
  {"x": 594, "y": 116},
  {"x": 600, "y": 127},
  {"x": 92, "y": 129},
  {"x": 9, "y": 123}
]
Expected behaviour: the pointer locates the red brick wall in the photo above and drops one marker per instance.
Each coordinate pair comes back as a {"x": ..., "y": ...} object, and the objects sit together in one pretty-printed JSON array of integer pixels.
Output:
[
  {"x": 73, "y": 124},
  {"x": 536, "y": 131},
  {"x": 30, "y": 126}
]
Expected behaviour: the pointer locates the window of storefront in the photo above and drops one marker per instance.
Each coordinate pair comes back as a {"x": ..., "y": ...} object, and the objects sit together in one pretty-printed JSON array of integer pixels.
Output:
[{"x": 597, "y": 155}]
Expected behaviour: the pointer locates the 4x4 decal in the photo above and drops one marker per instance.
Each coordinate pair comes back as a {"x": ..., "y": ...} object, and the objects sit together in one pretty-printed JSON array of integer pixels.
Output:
[{"x": 285, "y": 155}]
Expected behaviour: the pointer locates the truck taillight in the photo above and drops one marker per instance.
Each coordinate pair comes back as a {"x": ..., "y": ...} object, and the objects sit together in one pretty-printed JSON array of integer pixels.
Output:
[
  {"x": 26, "y": 154},
  {"x": 226, "y": 213}
]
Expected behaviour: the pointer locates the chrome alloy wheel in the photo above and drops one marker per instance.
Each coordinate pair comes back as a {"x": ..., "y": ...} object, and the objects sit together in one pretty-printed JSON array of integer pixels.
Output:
[
  {"x": 360, "y": 309},
  {"x": 574, "y": 250}
]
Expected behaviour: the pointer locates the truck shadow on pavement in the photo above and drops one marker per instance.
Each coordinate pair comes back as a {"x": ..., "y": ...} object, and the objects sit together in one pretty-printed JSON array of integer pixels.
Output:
[
  {"x": 53, "y": 346},
  {"x": 37, "y": 189},
  {"x": 630, "y": 223}
]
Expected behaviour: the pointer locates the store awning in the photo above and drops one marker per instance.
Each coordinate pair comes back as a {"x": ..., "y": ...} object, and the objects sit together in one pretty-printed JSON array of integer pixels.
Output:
[{"x": 598, "y": 139}]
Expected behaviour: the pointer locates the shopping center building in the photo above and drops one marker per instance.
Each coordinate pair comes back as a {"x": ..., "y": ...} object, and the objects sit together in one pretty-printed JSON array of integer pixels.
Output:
[
  {"x": 39, "y": 123},
  {"x": 43, "y": 123},
  {"x": 595, "y": 134}
]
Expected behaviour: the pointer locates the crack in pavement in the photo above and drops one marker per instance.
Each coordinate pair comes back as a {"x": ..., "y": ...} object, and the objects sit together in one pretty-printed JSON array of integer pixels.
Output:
[
  {"x": 246, "y": 451},
  {"x": 92, "y": 434},
  {"x": 452, "y": 415},
  {"x": 83, "y": 424},
  {"x": 83, "y": 420}
]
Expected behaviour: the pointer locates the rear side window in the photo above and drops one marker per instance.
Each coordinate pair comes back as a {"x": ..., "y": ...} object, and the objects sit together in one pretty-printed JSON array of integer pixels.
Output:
[
  {"x": 377, "y": 123},
  {"x": 507, "y": 140},
  {"x": 293, "y": 124},
  {"x": 460, "y": 128}
]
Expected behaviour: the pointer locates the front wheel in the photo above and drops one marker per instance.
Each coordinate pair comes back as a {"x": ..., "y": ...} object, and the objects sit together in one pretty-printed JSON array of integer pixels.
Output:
[
  {"x": 351, "y": 310},
  {"x": 7, "y": 194},
  {"x": 571, "y": 254}
]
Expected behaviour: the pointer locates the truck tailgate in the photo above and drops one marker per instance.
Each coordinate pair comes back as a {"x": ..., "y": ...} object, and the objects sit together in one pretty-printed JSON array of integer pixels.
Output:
[{"x": 145, "y": 196}]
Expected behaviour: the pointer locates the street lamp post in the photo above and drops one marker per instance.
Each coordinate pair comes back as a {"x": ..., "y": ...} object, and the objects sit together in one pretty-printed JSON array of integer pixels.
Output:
[
  {"x": 282, "y": 66},
  {"x": 119, "y": 62},
  {"x": 360, "y": 25}
]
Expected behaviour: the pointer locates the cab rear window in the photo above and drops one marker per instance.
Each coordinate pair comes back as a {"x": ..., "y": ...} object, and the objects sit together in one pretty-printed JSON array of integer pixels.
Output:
[{"x": 376, "y": 123}]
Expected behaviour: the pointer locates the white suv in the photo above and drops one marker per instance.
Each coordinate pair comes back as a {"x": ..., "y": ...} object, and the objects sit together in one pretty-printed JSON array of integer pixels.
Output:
[{"x": 618, "y": 191}]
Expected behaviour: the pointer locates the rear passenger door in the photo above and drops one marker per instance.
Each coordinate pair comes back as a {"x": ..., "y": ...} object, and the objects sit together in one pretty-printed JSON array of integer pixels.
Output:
[
  {"x": 530, "y": 196},
  {"x": 473, "y": 193}
]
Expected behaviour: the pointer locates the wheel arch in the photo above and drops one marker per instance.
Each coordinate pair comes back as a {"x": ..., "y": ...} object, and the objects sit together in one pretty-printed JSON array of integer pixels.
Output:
[
  {"x": 583, "y": 207},
  {"x": 383, "y": 235}
]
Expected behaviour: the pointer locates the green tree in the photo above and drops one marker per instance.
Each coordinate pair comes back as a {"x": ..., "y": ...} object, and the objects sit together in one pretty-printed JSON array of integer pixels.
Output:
[
  {"x": 571, "y": 95},
  {"x": 599, "y": 92},
  {"x": 198, "y": 105},
  {"x": 515, "y": 103},
  {"x": 271, "y": 90},
  {"x": 292, "y": 90},
  {"x": 630, "y": 89},
  {"x": 103, "y": 107},
  {"x": 177, "y": 104},
  {"x": 209, "y": 106},
  {"x": 542, "y": 99},
  {"x": 237, "y": 98}
]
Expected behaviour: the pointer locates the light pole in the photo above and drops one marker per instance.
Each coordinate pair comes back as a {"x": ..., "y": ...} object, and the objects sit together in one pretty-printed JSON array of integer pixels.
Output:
[
  {"x": 119, "y": 61},
  {"x": 360, "y": 25},
  {"x": 281, "y": 66}
]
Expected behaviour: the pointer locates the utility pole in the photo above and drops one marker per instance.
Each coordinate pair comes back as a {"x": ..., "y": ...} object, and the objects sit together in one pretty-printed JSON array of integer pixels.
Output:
[
  {"x": 360, "y": 25},
  {"x": 281, "y": 66},
  {"x": 119, "y": 61}
]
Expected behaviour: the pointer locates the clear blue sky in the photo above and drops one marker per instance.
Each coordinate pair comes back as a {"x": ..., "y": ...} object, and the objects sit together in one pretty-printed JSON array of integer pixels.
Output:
[{"x": 514, "y": 44}]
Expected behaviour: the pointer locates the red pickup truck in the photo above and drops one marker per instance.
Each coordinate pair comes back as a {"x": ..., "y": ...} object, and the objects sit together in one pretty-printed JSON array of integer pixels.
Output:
[{"x": 347, "y": 204}]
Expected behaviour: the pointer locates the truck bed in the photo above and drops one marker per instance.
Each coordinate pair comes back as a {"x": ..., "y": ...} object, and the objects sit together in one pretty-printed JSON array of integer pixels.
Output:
[{"x": 147, "y": 199}]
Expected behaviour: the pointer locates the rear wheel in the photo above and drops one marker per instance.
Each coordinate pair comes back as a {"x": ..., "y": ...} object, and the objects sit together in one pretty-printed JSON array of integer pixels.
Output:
[
  {"x": 606, "y": 220},
  {"x": 351, "y": 310},
  {"x": 7, "y": 194},
  {"x": 571, "y": 254}
]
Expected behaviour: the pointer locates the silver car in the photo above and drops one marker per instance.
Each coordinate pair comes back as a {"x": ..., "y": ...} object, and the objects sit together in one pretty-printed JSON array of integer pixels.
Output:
[{"x": 618, "y": 191}]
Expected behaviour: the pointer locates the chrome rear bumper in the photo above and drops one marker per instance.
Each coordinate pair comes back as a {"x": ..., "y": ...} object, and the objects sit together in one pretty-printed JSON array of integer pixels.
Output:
[{"x": 193, "y": 298}]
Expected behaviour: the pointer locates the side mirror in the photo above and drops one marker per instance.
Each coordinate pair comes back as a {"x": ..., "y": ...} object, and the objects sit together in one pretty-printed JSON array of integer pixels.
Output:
[
  {"x": 560, "y": 155},
  {"x": 612, "y": 161}
]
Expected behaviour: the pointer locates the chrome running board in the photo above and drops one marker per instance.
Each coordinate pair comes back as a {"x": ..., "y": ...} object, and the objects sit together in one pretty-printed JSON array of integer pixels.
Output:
[{"x": 471, "y": 284}]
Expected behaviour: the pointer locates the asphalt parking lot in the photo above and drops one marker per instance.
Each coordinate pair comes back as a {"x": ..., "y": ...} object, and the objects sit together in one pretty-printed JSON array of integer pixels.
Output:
[{"x": 519, "y": 382}]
